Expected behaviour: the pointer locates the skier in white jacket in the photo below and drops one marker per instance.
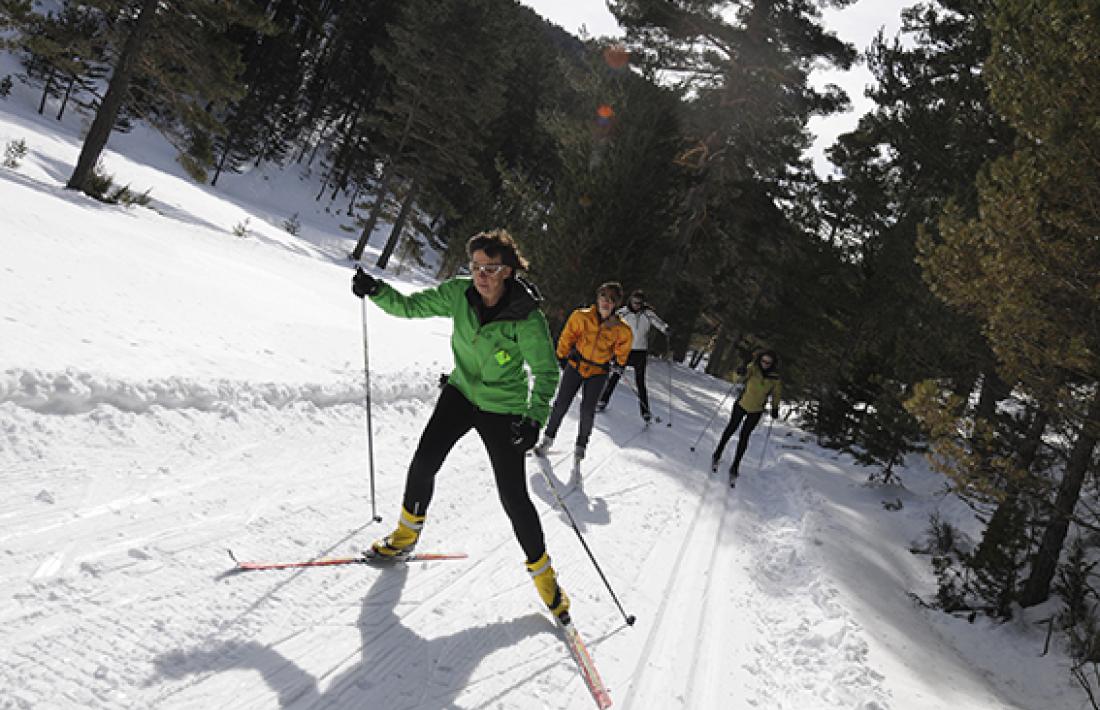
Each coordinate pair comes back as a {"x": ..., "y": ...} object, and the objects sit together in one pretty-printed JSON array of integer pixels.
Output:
[{"x": 640, "y": 317}]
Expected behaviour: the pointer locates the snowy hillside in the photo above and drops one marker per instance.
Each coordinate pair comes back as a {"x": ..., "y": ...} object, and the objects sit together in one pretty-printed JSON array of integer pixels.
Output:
[{"x": 169, "y": 390}]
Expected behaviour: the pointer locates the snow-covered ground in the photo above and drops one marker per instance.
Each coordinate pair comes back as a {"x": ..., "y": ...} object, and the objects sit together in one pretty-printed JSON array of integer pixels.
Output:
[{"x": 169, "y": 390}]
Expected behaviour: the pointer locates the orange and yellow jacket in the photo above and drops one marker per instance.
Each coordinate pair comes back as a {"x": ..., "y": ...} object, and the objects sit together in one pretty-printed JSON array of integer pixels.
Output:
[{"x": 591, "y": 345}]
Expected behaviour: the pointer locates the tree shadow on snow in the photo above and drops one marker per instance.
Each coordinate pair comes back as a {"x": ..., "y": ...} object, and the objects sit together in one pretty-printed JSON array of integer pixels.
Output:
[{"x": 396, "y": 667}]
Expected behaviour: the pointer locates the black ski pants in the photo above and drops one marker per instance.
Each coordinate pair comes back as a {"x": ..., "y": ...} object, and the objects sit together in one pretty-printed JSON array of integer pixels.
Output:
[
  {"x": 751, "y": 420},
  {"x": 590, "y": 388},
  {"x": 455, "y": 415},
  {"x": 637, "y": 360}
]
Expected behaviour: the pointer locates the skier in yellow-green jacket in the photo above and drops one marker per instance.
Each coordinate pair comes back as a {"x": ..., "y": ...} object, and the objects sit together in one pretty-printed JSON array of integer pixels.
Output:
[
  {"x": 760, "y": 378},
  {"x": 504, "y": 377}
]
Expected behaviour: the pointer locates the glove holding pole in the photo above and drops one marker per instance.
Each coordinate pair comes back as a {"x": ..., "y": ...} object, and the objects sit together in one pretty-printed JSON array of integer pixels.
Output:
[{"x": 363, "y": 284}]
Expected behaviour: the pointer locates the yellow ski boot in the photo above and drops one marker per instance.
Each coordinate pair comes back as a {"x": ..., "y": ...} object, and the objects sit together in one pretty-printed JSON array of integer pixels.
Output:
[
  {"x": 401, "y": 541},
  {"x": 546, "y": 582}
]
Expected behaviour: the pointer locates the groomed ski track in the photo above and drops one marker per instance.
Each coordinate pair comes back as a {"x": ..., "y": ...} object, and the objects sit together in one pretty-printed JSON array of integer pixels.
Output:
[{"x": 127, "y": 597}]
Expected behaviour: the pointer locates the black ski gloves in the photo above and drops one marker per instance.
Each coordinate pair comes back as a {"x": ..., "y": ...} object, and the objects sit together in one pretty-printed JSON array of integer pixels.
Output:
[
  {"x": 363, "y": 284},
  {"x": 562, "y": 362},
  {"x": 525, "y": 433},
  {"x": 443, "y": 379},
  {"x": 742, "y": 371}
]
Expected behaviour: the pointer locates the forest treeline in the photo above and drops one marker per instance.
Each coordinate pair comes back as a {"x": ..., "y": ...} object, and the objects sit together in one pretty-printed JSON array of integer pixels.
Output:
[{"x": 939, "y": 292}]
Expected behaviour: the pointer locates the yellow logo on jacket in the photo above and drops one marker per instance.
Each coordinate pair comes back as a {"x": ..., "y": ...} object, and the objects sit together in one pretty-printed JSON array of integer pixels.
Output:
[{"x": 503, "y": 358}]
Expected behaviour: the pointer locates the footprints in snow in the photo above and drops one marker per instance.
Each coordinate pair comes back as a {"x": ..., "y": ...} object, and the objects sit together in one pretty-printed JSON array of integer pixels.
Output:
[{"x": 808, "y": 647}]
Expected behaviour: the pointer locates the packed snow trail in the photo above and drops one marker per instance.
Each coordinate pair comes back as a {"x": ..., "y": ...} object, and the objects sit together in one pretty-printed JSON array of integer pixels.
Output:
[
  {"x": 169, "y": 390},
  {"x": 125, "y": 596}
]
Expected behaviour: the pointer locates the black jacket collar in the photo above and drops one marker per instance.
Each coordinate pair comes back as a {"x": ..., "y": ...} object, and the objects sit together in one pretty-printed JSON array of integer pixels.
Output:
[{"x": 519, "y": 299}]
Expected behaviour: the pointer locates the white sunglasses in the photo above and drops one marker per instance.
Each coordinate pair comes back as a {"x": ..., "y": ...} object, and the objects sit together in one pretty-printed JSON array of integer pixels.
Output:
[{"x": 490, "y": 269}]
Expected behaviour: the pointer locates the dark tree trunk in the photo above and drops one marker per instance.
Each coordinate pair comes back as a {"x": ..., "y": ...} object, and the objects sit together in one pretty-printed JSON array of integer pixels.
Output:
[
  {"x": 718, "y": 352},
  {"x": 1006, "y": 524},
  {"x": 1045, "y": 563},
  {"x": 375, "y": 212},
  {"x": 222, "y": 161},
  {"x": 65, "y": 99},
  {"x": 398, "y": 226},
  {"x": 353, "y": 200},
  {"x": 994, "y": 389},
  {"x": 46, "y": 91},
  {"x": 343, "y": 159},
  {"x": 115, "y": 97},
  {"x": 384, "y": 187}
]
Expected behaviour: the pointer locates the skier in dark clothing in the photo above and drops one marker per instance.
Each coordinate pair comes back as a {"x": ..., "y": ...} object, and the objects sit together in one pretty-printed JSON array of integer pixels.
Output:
[
  {"x": 640, "y": 317},
  {"x": 505, "y": 375},
  {"x": 760, "y": 378}
]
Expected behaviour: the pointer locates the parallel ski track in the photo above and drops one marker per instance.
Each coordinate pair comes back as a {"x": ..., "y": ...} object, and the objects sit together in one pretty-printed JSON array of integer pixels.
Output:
[{"x": 638, "y": 695}]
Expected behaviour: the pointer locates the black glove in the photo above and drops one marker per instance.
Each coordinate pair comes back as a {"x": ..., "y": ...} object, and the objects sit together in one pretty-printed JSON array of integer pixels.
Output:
[
  {"x": 741, "y": 371},
  {"x": 363, "y": 284},
  {"x": 525, "y": 433},
  {"x": 562, "y": 362},
  {"x": 615, "y": 368},
  {"x": 443, "y": 380}
]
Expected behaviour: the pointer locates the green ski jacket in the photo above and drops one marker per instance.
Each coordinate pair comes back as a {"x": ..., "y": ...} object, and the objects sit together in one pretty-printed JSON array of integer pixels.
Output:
[{"x": 490, "y": 357}]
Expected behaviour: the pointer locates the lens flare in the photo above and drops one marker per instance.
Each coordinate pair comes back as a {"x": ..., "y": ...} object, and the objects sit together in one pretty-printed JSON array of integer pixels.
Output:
[{"x": 616, "y": 56}]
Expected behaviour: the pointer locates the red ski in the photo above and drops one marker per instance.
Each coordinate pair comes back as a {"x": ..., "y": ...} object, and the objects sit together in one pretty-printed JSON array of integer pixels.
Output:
[
  {"x": 364, "y": 559},
  {"x": 584, "y": 662}
]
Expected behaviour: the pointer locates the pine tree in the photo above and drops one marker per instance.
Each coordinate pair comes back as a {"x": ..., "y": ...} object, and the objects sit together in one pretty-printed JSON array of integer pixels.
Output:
[
  {"x": 744, "y": 66},
  {"x": 1036, "y": 280},
  {"x": 931, "y": 131},
  {"x": 14, "y": 14},
  {"x": 254, "y": 127},
  {"x": 343, "y": 89},
  {"x": 175, "y": 66},
  {"x": 63, "y": 52},
  {"x": 446, "y": 89},
  {"x": 607, "y": 209}
]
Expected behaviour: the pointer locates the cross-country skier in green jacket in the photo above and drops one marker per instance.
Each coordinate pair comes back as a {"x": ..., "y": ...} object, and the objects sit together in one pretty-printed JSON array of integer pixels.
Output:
[{"x": 499, "y": 334}]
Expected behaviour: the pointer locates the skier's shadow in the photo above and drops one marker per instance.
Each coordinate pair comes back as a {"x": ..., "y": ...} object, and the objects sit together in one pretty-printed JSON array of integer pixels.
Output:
[
  {"x": 396, "y": 667},
  {"x": 585, "y": 510}
]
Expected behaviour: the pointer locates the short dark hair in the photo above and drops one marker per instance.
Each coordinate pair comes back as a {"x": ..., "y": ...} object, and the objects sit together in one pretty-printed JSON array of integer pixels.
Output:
[
  {"x": 612, "y": 289},
  {"x": 498, "y": 242},
  {"x": 638, "y": 294}
]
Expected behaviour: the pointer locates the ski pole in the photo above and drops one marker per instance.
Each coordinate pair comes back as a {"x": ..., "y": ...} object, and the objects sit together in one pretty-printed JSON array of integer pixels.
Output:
[
  {"x": 771, "y": 420},
  {"x": 670, "y": 388},
  {"x": 370, "y": 430},
  {"x": 629, "y": 618},
  {"x": 712, "y": 416}
]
